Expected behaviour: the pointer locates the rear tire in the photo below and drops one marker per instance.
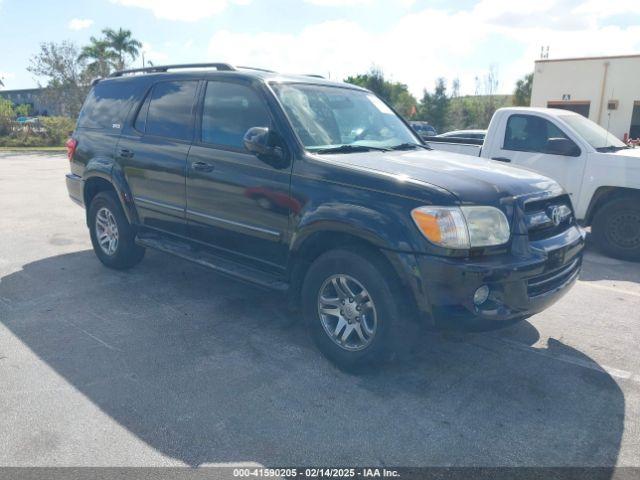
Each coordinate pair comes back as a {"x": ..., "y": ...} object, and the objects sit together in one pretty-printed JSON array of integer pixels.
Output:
[
  {"x": 356, "y": 293},
  {"x": 112, "y": 237},
  {"x": 616, "y": 228}
]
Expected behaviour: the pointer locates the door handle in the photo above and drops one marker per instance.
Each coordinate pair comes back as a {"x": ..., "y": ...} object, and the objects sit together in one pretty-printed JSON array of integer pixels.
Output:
[
  {"x": 501, "y": 159},
  {"x": 202, "y": 166},
  {"x": 126, "y": 153}
]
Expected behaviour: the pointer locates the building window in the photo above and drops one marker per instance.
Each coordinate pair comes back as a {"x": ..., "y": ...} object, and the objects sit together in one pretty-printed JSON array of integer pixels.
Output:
[{"x": 581, "y": 107}]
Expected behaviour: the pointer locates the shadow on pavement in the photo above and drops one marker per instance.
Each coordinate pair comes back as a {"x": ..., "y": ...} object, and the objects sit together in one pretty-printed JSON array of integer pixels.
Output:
[
  {"x": 598, "y": 266},
  {"x": 207, "y": 370}
]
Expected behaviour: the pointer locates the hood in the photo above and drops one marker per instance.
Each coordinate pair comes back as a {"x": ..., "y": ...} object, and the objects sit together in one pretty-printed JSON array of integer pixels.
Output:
[
  {"x": 627, "y": 152},
  {"x": 472, "y": 180}
]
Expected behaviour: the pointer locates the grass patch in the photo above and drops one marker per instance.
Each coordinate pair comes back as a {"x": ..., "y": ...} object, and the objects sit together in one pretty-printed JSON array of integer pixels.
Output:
[{"x": 33, "y": 149}]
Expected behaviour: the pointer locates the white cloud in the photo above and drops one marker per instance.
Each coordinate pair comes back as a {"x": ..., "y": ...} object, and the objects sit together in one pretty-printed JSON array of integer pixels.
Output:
[
  {"x": 183, "y": 10},
  {"x": 150, "y": 53},
  {"x": 80, "y": 23},
  {"x": 604, "y": 9},
  {"x": 4, "y": 76},
  {"x": 351, "y": 3},
  {"x": 432, "y": 43},
  {"x": 337, "y": 3}
]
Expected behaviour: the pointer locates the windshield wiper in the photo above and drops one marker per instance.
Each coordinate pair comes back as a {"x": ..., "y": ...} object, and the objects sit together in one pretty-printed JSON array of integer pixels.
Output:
[
  {"x": 349, "y": 148},
  {"x": 409, "y": 146},
  {"x": 612, "y": 148}
]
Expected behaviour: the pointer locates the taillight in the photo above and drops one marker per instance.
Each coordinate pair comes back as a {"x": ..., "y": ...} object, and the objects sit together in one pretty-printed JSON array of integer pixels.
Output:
[{"x": 71, "y": 145}]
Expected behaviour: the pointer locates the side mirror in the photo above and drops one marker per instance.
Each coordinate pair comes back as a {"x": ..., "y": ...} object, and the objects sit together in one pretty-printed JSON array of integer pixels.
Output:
[
  {"x": 562, "y": 146},
  {"x": 266, "y": 145}
]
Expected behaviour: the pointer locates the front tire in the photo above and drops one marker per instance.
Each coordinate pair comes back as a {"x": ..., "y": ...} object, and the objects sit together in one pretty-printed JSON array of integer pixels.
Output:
[
  {"x": 350, "y": 309},
  {"x": 112, "y": 237},
  {"x": 616, "y": 228}
]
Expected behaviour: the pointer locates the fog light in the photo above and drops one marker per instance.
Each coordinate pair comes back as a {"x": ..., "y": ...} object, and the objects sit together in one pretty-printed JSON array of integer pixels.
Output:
[{"x": 481, "y": 295}]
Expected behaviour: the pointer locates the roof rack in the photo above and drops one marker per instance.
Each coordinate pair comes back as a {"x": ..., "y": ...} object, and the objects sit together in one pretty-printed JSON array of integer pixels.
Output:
[
  {"x": 244, "y": 67},
  {"x": 164, "y": 68}
]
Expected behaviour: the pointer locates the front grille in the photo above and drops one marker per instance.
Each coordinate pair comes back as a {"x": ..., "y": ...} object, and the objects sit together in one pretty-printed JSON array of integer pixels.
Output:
[
  {"x": 547, "y": 282},
  {"x": 539, "y": 217}
]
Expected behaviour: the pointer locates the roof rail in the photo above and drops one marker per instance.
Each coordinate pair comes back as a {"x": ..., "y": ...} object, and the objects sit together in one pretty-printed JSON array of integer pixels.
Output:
[
  {"x": 314, "y": 75},
  {"x": 164, "y": 68},
  {"x": 244, "y": 67}
]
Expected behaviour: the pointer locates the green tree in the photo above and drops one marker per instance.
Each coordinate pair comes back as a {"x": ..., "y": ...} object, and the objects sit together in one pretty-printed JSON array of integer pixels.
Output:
[
  {"x": 373, "y": 80},
  {"x": 7, "y": 114},
  {"x": 395, "y": 93},
  {"x": 100, "y": 56},
  {"x": 522, "y": 92},
  {"x": 66, "y": 79},
  {"x": 122, "y": 44},
  {"x": 6, "y": 108},
  {"x": 23, "y": 110},
  {"x": 434, "y": 107}
]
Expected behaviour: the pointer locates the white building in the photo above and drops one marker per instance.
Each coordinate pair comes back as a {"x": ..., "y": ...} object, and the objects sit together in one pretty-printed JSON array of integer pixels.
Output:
[{"x": 604, "y": 89}]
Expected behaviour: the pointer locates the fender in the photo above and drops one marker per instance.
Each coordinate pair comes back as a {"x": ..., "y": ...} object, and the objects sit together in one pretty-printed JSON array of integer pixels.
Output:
[
  {"x": 381, "y": 229},
  {"x": 107, "y": 169},
  {"x": 390, "y": 230}
]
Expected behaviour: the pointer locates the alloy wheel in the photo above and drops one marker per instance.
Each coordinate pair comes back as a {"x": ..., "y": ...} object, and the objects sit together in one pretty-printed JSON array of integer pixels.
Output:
[
  {"x": 107, "y": 231},
  {"x": 347, "y": 312}
]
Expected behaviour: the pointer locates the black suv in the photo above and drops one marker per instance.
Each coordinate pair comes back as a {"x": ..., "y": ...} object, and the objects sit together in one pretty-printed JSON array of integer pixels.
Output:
[{"x": 320, "y": 190}]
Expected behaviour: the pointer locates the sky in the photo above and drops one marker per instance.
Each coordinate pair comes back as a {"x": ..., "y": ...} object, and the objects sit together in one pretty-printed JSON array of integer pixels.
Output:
[{"x": 412, "y": 41}]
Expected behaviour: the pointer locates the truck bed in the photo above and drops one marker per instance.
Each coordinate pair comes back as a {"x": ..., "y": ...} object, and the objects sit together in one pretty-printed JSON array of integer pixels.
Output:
[{"x": 465, "y": 146}]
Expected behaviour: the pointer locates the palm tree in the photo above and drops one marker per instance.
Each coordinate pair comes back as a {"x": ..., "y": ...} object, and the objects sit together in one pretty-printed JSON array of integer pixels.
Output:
[
  {"x": 102, "y": 58},
  {"x": 122, "y": 44}
]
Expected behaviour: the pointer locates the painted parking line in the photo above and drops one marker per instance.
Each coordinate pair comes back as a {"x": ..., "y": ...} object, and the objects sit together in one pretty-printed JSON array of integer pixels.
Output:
[
  {"x": 609, "y": 288},
  {"x": 611, "y": 371}
]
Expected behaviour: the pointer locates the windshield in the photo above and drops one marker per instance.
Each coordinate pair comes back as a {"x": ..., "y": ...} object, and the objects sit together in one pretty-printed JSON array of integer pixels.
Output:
[
  {"x": 327, "y": 117},
  {"x": 593, "y": 133}
]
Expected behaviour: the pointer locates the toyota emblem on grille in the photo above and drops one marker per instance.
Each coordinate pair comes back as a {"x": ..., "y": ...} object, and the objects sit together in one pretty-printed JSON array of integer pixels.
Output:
[{"x": 557, "y": 214}]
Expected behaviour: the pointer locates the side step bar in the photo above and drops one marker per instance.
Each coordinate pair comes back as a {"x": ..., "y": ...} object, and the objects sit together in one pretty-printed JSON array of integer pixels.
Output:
[{"x": 214, "y": 262}]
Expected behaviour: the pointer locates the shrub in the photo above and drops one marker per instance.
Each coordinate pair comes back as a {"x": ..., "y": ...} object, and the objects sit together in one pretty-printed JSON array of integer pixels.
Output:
[
  {"x": 57, "y": 129},
  {"x": 6, "y": 116},
  {"x": 51, "y": 132}
]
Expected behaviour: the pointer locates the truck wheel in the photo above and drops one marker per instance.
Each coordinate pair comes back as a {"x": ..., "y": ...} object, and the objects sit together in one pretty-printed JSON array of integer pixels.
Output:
[
  {"x": 112, "y": 237},
  {"x": 616, "y": 228},
  {"x": 350, "y": 309}
]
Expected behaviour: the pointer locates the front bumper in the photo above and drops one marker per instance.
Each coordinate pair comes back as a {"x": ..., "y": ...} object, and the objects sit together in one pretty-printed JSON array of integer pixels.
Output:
[{"x": 520, "y": 286}]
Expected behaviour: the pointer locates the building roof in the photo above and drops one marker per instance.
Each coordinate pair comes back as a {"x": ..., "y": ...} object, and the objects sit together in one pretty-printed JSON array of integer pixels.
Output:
[
  {"x": 22, "y": 90},
  {"x": 574, "y": 59}
]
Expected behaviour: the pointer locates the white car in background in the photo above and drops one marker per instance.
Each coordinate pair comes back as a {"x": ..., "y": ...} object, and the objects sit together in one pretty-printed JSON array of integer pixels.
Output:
[
  {"x": 600, "y": 173},
  {"x": 465, "y": 134}
]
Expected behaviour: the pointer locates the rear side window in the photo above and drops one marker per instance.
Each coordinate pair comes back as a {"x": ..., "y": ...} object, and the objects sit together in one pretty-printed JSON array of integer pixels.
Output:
[
  {"x": 169, "y": 111},
  {"x": 107, "y": 104},
  {"x": 229, "y": 111}
]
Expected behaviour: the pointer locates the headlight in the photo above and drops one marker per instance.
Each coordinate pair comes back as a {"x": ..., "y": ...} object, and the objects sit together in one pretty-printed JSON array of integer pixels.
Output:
[{"x": 462, "y": 227}]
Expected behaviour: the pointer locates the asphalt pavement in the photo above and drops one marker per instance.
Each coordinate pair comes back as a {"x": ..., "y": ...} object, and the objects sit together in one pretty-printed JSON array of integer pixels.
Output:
[{"x": 170, "y": 364}]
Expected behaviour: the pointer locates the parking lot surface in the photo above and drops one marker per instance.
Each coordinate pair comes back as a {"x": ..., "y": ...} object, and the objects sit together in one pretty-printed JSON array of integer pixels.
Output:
[{"x": 172, "y": 364}]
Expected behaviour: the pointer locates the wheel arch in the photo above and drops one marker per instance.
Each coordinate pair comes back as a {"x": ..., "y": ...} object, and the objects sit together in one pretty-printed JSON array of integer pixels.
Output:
[
  {"x": 327, "y": 236},
  {"x": 605, "y": 194},
  {"x": 98, "y": 182}
]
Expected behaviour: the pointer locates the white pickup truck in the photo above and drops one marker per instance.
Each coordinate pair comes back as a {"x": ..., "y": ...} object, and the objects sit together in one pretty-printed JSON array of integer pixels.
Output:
[{"x": 600, "y": 173}]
